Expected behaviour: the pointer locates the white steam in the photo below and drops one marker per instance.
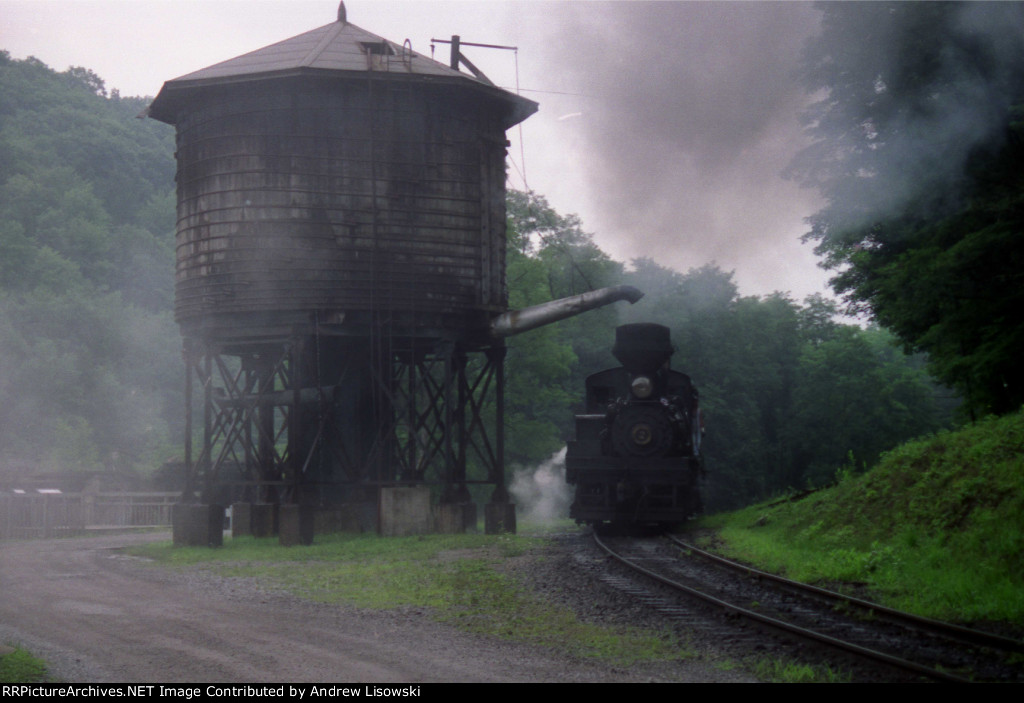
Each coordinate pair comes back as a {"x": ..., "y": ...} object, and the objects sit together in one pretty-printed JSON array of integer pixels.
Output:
[{"x": 541, "y": 492}]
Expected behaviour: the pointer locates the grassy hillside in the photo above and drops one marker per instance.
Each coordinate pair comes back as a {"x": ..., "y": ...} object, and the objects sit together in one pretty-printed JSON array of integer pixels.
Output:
[{"x": 937, "y": 527}]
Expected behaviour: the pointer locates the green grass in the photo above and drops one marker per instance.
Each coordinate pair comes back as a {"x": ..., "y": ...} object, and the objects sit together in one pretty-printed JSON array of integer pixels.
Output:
[
  {"x": 786, "y": 671},
  {"x": 458, "y": 579},
  {"x": 936, "y": 528},
  {"x": 21, "y": 667}
]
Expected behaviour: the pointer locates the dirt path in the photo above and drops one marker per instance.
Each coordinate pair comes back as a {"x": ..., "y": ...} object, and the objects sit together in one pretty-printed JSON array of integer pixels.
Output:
[{"x": 97, "y": 615}]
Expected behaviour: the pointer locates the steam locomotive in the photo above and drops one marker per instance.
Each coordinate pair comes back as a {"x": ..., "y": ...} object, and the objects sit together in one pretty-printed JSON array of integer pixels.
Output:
[{"x": 636, "y": 457}]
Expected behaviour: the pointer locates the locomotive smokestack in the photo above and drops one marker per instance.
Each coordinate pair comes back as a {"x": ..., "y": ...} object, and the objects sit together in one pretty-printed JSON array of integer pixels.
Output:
[
  {"x": 642, "y": 348},
  {"x": 517, "y": 321}
]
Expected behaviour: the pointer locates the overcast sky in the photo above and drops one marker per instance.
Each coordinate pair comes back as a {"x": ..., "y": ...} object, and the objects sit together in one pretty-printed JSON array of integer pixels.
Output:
[{"x": 664, "y": 125}]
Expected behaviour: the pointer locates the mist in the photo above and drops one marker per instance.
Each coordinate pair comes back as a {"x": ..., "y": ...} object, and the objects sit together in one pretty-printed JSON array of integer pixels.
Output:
[
  {"x": 688, "y": 114},
  {"x": 541, "y": 493},
  {"x": 684, "y": 117},
  {"x": 925, "y": 90}
]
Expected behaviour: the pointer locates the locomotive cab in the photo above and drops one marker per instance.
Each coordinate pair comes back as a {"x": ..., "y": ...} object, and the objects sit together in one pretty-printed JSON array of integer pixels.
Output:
[{"x": 636, "y": 456}]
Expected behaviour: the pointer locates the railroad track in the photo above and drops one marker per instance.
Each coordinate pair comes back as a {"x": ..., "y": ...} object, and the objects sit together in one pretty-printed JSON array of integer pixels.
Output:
[{"x": 917, "y": 646}]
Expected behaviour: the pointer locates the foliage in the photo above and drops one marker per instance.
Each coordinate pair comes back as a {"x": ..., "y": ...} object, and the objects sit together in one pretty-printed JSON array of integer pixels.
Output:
[
  {"x": 550, "y": 257},
  {"x": 935, "y": 528},
  {"x": 88, "y": 349},
  {"x": 776, "y": 670},
  {"x": 917, "y": 148},
  {"x": 856, "y": 394}
]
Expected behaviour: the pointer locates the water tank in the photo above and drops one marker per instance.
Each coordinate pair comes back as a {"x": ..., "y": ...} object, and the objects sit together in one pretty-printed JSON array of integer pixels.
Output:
[{"x": 342, "y": 178}]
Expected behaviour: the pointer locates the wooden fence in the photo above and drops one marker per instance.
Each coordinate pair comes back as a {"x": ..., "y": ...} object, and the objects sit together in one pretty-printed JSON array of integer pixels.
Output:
[{"x": 64, "y": 514}]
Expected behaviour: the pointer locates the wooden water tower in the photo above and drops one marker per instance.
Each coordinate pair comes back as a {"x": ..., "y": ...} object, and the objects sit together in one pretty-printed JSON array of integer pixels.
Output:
[{"x": 340, "y": 256}]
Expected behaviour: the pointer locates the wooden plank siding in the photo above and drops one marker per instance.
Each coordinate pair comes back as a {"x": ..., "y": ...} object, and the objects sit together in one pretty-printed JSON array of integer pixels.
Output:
[{"x": 319, "y": 196}]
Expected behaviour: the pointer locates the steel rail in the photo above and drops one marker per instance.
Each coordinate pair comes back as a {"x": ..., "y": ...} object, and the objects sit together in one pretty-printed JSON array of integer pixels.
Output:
[
  {"x": 959, "y": 632},
  {"x": 784, "y": 626}
]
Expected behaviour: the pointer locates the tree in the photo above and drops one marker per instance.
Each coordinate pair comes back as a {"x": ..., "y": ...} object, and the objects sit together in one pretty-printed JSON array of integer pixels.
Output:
[
  {"x": 855, "y": 395},
  {"x": 572, "y": 264},
  {"x": 538, "y": 398},
  {"x": 917, "y": 150},
  {"x": 89, "y": 354}
]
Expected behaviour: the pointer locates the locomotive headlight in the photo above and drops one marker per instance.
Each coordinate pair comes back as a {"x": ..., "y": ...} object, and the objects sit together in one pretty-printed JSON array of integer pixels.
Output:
[{"x": 642, "y": 387}]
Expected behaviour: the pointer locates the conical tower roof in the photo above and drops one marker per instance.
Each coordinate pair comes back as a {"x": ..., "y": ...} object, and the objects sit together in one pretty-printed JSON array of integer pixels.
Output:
[{"x": 340, "y": 49}]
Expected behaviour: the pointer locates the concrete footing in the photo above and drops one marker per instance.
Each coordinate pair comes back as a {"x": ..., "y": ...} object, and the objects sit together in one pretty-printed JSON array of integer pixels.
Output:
[
  {"x": 349, "y": 517},
  {"x": 256, "y": 519},
  {"x": 500, "y": 518},
  {"x": 456, "y": 518},
  {"x": 404, "y": 510},
  {"x": 295, "y": 525},
  {"x": 400, "y": 511},
  {"x": 197, "y": 525},
  {"x": 241, "y": 519},
  {"x": 264, "y": 519}
]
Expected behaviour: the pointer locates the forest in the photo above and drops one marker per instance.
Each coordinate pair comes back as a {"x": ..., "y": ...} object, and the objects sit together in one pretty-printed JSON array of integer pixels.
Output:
[
  {"x": 90, "y": 370},
  {"x": 91, "y": 374},
  {"x": 917, "y": 140}
]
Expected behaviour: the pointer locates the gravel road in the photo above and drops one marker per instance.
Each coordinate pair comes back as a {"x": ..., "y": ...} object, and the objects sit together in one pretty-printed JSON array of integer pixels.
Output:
[{"x": 97, "y": 615}]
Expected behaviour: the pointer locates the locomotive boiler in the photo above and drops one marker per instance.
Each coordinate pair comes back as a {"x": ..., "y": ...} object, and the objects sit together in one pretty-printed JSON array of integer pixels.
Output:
[{"x": 636, "y": 457}]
